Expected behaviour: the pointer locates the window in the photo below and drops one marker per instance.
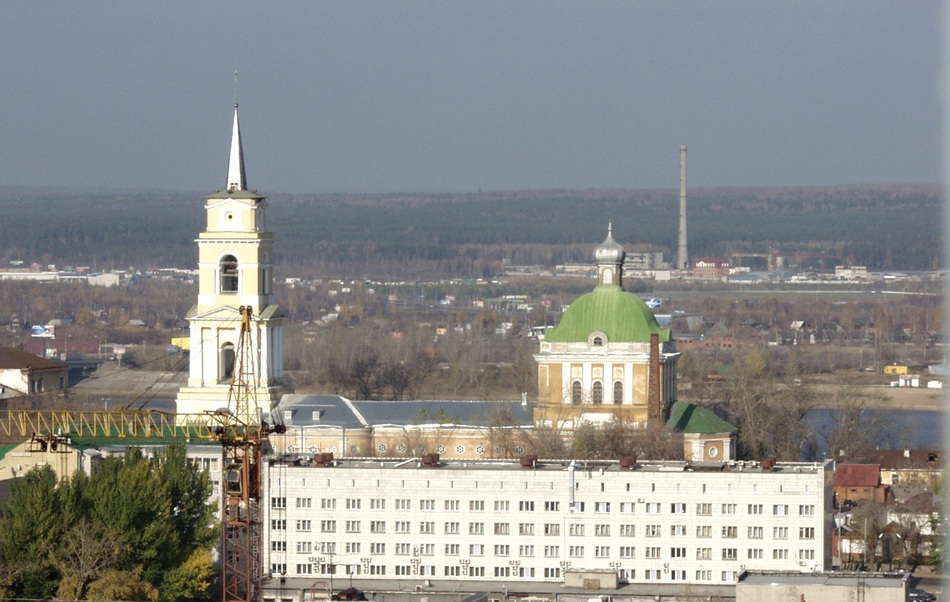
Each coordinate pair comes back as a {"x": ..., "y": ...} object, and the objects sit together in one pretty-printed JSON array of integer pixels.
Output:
[
  {"x": 651, "y": 574},
  {"x": 653, "y": 531},
  {"x": 598, "y": 392},
  {"x": 402, "y": 570},
  {"x": 278, "y": 567},
  {"x": 602, "y": 530},
  {"x": 678, "y": 575},
  {"x": 730, "y": 532},
  {"x": 352, "y": 526},
  {"x": 352, "y": 547},
  {"x": 476, "y": 549},
  {"x": 780, "y": 532},
  {"x": 378, "y": 504},
  {"x": 602, "y": 507},
  {"x": 756, "y": 532},
  {"x": 729, "y": 576},
  {"x": 402, "y": 526},
  {"x": 628, "y": 530},
  {"x": 704, "y": 531},
  {"x": 806, "y": 510},
  {"x": 403, "y": 549},
  {"x": 678, "y": 508},
  {"x": 806, "y": 533},
  {"x": 729, "y": 508},
  {"x": 452, "y": 505},
  {"x": 652, "y": 553},
  {"x": 427, "y": 505},
  {"x": 502, "y": 571},
  {"x": 626, "y": 507},
  {"x": 278, "y": 546},
  {"x": 427, "y": 527},
  {"x": 502, "y": 549},
  {"x": 452, "y": 571},
  {"x": 377, "y": 526},
  {"x": 377, "y": 549},
  {"x": 476, "y": 505},
  {"x": 729, "y": 554},
  {"x": 552, "y": 573},
  {"x": 303, "y": 502},
  {"x": 377, "y": 569},
  {"x": 618, "y": 391},
  {"x": 526, "y": 506},
  {"x": 303, "y": 525},
  {"x": 279, "y": 524},
  {"x": 452, "y": 549},
  {"x": 552, "y": 529},
  {"x": 304, "y": 547},
  {"x": 780, "y": 510},
  {"x": 328, "y": 547},
  {"x": 806, "y": 554},
  {"x": 501, "y": 505},
  {"x": 653, "y": 508},
  {"x": 525, "y": 551},
  {"x": 552, "y": 551},
  {"x": 305, "y": 569},
  {"x": 755, "y": 509},
  {"x": 755, "y": 553},
  {"x": 575, "y": 529},
  {"x": 703, "y": 553},
  {"x": 278, "y": 503},
  {"x": 628, "y": 552},
  {"x": 576, "y": 392},
  {"x": 403, "y": 505},
  {"x": 451, "y": 528},
  {"x": 704, "y": 575},
  {"x": 352, "y": 504},
  {"x": 328, "y": 526},
  {"x": 575, "y": 551},
  {"x": 578, "y": 506},
  {"x": 501, "y": 528},
  {"x": 779, "y": 554},
  {"x": 704, "y": 509},
  {"x": 476, "y": 571},
  {"x": 552, "y": 506},
  {"x": 601, "y": 551},
  {"x": 476, "y": 528},
  {"x": 229, "y": 274},
  {"x": 426, "y": 549},
  {"x": 678, "y": 530},
  {"x": 525, "y": 529},
  {"x": 677, "y": 552}
]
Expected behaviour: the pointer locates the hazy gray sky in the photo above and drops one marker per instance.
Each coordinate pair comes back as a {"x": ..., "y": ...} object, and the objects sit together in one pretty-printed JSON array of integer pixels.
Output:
[{"x": 459, "y": 96}]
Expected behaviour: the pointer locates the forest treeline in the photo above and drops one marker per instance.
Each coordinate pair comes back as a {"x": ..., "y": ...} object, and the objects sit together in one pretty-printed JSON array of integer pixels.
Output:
[{"x": 474, "y": 235}]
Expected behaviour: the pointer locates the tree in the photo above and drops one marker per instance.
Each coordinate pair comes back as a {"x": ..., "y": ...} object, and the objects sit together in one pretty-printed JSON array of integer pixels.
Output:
[
  {"x": 87, "y": 552},
  {"x": 191, "y": 580}
]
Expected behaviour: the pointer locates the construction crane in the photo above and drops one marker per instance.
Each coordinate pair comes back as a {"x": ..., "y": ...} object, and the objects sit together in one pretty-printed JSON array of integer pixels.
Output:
[{"x": 239, "y": 430}]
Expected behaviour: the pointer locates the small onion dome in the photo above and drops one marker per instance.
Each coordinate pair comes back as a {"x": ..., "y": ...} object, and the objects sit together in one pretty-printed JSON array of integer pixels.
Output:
[{"x": 609, "y": 251}]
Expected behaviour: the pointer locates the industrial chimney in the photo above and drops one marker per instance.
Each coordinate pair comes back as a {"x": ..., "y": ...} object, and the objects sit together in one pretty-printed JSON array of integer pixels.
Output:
[{"x": 682, "y": 259}]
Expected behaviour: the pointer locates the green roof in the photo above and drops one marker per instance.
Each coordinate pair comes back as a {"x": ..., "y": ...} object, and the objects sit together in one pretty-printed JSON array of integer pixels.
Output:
[
  {"x": 691, "y": 418},
  {"x": 623, "y": 317}
]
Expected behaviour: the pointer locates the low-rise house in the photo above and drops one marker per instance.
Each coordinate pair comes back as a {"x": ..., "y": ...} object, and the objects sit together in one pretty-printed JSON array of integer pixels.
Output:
[
  {"x": 856, "y": 483},
  {"x": 22, "y": 373}
]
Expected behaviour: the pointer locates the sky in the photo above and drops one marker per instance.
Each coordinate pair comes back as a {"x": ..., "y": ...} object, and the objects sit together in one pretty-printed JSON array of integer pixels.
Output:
[{"x": 387, "y": 97}]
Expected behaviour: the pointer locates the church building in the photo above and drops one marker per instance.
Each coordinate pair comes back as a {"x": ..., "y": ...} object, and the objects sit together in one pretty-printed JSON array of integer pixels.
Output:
[
  {"x": 607, "y": 358},
  {"x": 235, "y": 254}
]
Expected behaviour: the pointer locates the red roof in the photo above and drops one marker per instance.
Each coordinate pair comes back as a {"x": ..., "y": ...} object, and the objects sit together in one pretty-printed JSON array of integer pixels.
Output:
[
  {"x": 926, "y": 459},
  {"x": 857, "y": 475},
  {"x": 14, "y": 359}
]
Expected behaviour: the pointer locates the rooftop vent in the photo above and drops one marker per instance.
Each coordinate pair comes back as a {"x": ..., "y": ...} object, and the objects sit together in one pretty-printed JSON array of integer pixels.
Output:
[
  {"x": 628, "y": 462},
  {"x": 430, "y": 460},
  {"x": 767, "y": 464},
  {"x": 529, "y": 461}
]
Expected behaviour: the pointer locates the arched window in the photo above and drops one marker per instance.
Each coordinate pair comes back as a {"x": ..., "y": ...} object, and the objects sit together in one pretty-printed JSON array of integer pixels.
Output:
[
  {"x": 576, "y": 392},
  {"x": 618, "y": 391},
  {"x": 598, "y": 342},
  {"x": 229, "y": 274},
  {"x": 598, "y": 392},
  {"x": 226, "y": 358}
]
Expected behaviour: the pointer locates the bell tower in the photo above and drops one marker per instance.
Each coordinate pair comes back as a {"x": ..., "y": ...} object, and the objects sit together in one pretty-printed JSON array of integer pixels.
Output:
[{"x": 235, "y": 254}]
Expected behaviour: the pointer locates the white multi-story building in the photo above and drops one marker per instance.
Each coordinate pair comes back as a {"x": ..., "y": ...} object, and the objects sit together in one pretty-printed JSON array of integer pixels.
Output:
[{"x": 649, "y": 523}]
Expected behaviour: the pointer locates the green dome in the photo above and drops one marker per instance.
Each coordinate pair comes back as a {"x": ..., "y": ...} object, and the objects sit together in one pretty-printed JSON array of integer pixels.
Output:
[{"x": 623, "y": 317}]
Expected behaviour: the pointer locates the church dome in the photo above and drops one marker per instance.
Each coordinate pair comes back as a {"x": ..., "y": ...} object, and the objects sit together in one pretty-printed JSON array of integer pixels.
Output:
[
  {"x": 609, "y": 251},
  {"x": 621, "y": 316}
]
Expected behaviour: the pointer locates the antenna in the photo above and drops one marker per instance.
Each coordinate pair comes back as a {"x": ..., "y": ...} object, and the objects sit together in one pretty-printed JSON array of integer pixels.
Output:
[{"x": 235, "y": 88}]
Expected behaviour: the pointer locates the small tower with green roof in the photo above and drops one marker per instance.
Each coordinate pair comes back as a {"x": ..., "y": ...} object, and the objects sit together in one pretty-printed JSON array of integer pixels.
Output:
[{"x": 596, "y": 364}]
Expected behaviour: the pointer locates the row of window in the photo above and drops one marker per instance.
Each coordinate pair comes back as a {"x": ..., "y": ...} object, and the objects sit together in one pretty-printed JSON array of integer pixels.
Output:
[
  {"x": 596, "y": 392},
  {"x": 702, "y": 509},
  {"x": 528, "y": 529},
  {"x": 529, "y": 551}
]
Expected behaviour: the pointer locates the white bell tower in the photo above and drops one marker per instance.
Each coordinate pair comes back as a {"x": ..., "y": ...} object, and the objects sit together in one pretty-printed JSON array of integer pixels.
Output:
[{"x": 235, "y": 254}]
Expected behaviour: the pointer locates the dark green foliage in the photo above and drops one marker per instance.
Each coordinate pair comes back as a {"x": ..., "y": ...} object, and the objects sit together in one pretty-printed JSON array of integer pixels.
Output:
[{"x": 154, "y": 510}]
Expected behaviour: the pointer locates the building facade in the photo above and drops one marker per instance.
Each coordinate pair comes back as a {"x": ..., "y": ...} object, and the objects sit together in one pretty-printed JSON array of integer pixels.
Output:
[
  {"x": 428, "y": 520},
  {"x": 235, "y": 255}
]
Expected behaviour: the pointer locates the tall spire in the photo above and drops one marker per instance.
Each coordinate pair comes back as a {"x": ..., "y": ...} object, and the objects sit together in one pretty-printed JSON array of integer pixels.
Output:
[{"x": 236, "y": 177}]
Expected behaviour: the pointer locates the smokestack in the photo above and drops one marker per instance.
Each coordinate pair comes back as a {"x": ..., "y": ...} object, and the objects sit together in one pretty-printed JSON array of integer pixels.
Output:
[
  {"x": 654, "y": 402},
  {"x": 682, "y": 259}
]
